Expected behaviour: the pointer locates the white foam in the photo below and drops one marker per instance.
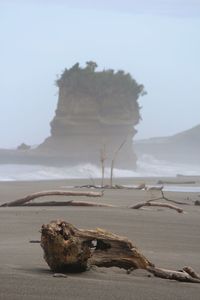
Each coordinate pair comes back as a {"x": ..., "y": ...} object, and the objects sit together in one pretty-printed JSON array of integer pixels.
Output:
[{"x": 147, "y": 166}]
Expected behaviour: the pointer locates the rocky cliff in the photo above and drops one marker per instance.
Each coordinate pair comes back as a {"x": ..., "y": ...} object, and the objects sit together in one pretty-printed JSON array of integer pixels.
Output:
[{"x": 95, "y": 108}]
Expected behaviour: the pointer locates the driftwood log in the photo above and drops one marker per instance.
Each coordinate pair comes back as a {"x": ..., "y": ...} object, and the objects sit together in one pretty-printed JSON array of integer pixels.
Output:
[
  {"x": 24, "y": 201},
  {"x": 157, "y": 204},
  {"x": 176, "y": 182},
  {"x": 68, "y": 249},
  {"x": 163, "y": 197},
  {"x": 141, "y": 186}
]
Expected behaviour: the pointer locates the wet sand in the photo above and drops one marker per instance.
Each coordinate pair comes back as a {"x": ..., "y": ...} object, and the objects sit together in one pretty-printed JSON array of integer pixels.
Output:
[{"x": 167, "y": 238}]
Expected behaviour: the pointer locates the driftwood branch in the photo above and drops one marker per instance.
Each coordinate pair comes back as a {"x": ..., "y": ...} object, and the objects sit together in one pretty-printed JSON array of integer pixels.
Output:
[
  {"x": 169, "y": 200},
  {"x": 175, "y": 275},
  {"x": 191, "y": 272},
  {"x": 68, "y": 249},
  {"x": 24, "y": 200},
  {"x": 150, "y": 203}
]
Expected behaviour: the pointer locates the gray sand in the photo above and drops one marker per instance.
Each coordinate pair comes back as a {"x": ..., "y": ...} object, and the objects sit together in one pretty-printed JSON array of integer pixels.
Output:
[{"x": 168, "y": 239}]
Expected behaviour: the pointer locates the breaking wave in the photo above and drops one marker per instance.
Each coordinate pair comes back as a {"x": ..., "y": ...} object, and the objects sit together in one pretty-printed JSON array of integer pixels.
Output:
[{"x": 147, "y": 166}]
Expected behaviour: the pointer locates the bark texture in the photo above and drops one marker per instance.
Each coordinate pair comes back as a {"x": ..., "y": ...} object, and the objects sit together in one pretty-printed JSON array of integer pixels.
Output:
[{"x": 67, "y": 248}]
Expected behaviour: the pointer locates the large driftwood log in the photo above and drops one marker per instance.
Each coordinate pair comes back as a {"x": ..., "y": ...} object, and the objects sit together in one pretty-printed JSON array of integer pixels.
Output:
[
  {"x": 23, "y": 201},
  {"x": 67, "y": 248}
]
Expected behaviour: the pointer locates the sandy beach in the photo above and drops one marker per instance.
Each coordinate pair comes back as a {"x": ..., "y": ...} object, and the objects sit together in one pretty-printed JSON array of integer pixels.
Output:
[{"x": 167, "y": 238}]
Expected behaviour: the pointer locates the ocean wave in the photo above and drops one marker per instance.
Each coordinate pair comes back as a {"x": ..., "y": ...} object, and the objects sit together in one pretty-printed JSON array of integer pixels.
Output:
[{"x": 147, "y": 166}]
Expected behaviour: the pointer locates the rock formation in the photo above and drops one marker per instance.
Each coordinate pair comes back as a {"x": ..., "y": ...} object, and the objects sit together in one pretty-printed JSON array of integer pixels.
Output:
[{"x": 95, "y": 108}]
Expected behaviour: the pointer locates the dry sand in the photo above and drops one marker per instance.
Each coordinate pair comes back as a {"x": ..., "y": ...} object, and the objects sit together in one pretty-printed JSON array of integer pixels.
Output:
[{"x": 167, "y": 238}]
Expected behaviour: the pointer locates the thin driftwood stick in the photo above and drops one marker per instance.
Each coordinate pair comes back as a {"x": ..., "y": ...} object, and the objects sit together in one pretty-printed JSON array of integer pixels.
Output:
[
  {"x": 22, "y": 201},
  {"x": 114, "y": 158},
  {"x": 149, "y": 203},
  {"x": 103, "y": 158},
  {"x": 172, "y": 275}
]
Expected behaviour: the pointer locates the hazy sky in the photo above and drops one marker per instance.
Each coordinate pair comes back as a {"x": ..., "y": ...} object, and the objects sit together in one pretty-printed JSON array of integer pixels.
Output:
[{"x": 157, "y": 41}]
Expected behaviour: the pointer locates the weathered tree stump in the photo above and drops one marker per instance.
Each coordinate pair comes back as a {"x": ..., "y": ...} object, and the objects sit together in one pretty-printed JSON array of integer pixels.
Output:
[{"x": 68, "y": 249}]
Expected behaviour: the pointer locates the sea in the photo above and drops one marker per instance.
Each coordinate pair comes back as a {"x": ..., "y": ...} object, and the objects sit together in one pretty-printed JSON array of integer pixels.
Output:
[{"x": 147, "y": 166}]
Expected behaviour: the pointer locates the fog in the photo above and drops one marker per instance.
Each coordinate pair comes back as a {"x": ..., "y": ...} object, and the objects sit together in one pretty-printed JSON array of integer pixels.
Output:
[{"x": 158, "y": 42}]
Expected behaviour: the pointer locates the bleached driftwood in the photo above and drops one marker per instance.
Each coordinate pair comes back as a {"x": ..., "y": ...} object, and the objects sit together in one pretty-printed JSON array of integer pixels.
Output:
[
  {"x": 24, "y": 201},
  {"x": 187, "y": 274},
  {"x": 150, "y": 203},
  {"x": 163, "y": 197},
  {"x": 113, "y": 187}
]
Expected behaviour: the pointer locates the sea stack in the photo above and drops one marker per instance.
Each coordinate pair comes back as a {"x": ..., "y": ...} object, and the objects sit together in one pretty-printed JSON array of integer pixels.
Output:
[{"x": 96, "y": 110}]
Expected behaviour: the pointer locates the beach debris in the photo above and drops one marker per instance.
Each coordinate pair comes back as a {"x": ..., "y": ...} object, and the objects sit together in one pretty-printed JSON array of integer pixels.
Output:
[
  {"x": 59, "y": 275},
  {"x": 153, "y": 202},
  {"x": 157, "y": 204},
  {"x": 197, "y": 202},
  {"x": 141, "y": 186},
  {"x": 34, "y": 241},
  {"x": 25, "y": 200},
  {"x": 155, "y": 188},
  {"x": 176, "y": 182},
  {"x": 187, "y": 274},
  {"x": 67, "y": 203},
  {"x": 68, "y": 249},
  {"x": 163, "y": 197}
]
